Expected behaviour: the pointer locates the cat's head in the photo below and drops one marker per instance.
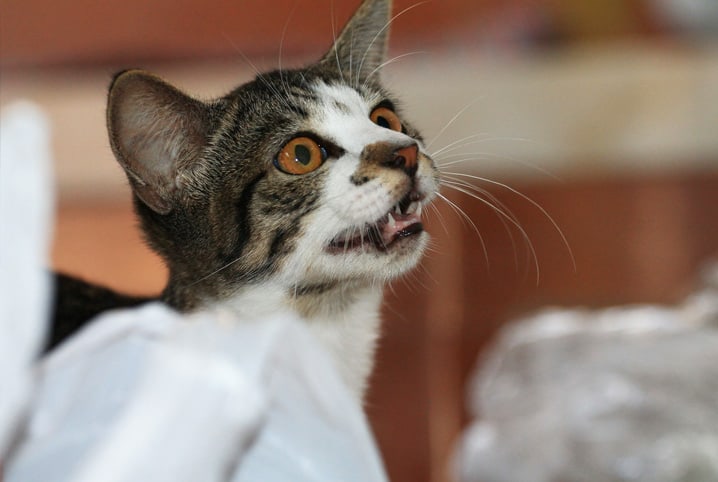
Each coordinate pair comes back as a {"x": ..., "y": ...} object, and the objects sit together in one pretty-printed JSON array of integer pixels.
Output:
[{"x": 307, "y": 177}]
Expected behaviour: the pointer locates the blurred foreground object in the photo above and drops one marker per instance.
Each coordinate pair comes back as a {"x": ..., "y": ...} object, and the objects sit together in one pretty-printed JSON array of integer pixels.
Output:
[
  {"x": 624, "y": 394},
  {"x": 26, "y": 210},
  {"x": 150, "y": 394}
]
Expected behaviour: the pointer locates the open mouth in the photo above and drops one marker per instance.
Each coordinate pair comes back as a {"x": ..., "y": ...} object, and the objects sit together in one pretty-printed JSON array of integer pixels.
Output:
[{"x": 402, "y": 221}]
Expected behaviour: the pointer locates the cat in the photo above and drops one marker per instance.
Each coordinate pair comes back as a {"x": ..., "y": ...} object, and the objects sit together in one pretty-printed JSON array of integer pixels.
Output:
[{"x": 301, "y": 191}]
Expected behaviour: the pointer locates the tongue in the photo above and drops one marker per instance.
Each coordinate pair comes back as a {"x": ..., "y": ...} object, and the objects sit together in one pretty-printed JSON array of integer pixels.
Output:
[{"x": 404, "y": 225}]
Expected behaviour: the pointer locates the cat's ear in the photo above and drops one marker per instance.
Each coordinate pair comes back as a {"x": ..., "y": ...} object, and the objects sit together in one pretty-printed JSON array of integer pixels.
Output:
[
  {"x": 360, "y": 49},
  {"x": 156, "y": 133}
]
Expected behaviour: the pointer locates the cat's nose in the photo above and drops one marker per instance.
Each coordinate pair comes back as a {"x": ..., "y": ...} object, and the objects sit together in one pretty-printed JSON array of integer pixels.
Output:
[{"x": 404, "y": 158}]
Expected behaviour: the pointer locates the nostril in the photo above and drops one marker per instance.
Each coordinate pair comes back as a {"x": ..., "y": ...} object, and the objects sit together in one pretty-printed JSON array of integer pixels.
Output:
[
  {"x": 406, "y": 156},
  {"x": 405, "y": 159},
  {"x": 410, "y": 169},
  {"x": 393, "y": 156}
]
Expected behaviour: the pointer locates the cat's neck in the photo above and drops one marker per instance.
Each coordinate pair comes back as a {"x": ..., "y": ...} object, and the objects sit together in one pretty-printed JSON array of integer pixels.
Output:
[{"x": 343, "y": 316}]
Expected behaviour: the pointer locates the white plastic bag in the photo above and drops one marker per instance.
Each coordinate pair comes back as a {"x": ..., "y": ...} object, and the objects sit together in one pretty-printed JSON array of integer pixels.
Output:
[
  {"x": 149, "y": 394},
  {"x": 26, "y": 205}
]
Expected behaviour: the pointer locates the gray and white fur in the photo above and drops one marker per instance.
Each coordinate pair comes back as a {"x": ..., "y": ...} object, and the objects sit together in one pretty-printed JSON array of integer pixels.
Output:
[{"x": 237, "y": 229}]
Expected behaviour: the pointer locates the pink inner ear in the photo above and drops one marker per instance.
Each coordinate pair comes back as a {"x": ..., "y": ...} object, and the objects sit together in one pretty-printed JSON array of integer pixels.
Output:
[
  {"x": 155, "y": 131},
  {"x": 150, "y": 149}
]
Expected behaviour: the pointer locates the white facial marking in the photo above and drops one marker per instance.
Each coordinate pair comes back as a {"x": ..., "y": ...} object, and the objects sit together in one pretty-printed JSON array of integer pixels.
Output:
[
  {"x": 355, "y": 204},
  {"x": 346, "y": 208},
  {"x": 351, "y": 129}
]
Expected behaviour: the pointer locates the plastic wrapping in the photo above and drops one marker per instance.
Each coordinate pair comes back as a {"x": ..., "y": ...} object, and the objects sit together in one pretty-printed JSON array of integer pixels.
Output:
[
  {"x": 26, "y": 205},
  {"x": 624, "y": 394},
  {"x": 149, "y": 394}
]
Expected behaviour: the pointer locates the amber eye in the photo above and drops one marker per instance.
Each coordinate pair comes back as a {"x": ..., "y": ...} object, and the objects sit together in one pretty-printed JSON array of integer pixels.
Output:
[
  {"x": 301, "y": 155},
  {"x": 386, "y": 118}
]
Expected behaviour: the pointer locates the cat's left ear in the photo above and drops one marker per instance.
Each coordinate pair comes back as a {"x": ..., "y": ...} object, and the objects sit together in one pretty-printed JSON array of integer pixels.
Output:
[
  {"x": 360, "y": 49},
  {"x": 157, "y": 134}
]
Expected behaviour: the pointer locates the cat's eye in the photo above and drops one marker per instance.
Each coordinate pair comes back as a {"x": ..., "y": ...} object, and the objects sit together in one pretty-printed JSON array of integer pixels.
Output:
[
  {"x": 301, "y": 155},
  {"x": 387, "y": 118}
]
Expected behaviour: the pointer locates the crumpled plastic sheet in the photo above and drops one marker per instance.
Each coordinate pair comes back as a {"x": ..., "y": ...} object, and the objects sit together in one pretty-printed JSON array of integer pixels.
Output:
[
  {"x": 148, "y": 393},
  {"x": 621, "y": 394}
]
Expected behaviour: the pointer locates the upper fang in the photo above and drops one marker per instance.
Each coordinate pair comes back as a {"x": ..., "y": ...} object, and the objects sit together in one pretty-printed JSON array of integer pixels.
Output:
[{"x": 390, "y": 219}]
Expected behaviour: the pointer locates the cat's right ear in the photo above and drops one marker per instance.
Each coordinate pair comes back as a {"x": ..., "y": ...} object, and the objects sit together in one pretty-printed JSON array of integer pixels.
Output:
[
  {"x": 360, "y": 49},
  {"x": 156, "y": 133}
]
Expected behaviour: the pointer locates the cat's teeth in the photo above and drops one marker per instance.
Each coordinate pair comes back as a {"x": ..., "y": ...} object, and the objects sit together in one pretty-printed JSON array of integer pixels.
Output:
[
  {"x": 397, "y": 209},
  {"x": 418, "y": 209},
  {"x": 413, "y": 207},
  {"x": 391, "y": 220}
]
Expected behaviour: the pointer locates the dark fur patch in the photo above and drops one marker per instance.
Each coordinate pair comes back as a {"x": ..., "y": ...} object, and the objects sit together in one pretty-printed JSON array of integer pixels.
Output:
[
  {"x": 341, "y": 107},
  {"x": 244, "y": 226},
  {"x": 312, "y": 289},
  {"x": 76, "y": 302}
]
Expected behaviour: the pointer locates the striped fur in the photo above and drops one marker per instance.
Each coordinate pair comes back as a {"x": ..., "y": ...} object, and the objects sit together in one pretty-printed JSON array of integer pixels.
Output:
[{"x": 236, "y": 231}]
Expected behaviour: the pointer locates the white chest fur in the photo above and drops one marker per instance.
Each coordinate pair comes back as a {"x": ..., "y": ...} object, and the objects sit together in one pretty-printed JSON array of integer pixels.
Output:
[{"x": 348, "y": 334}]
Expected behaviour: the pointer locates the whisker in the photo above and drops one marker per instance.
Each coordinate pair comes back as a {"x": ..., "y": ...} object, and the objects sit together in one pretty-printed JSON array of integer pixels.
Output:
[
  {"x": 453, "y": 119},
  {"x": 334, "y": 40},
  {"x": 427, "y": 272},
  {"x": 390, "y": 285},
  {"x": 432, "y": 248},
  {"x": 477, "y": 191},
  {"x": 467, "y": 141},
  {"x": 281, "y": 45},
  {"x": 422, "y": 281},
  {"x": 391, "y": 61},
  {"x": 248, "y": 275},
  {"x": 380, "y": 32},
  {"x": 466, "y": 218},
  {"x": 439, "y": 217},
  {"x": 459, "y": 143},
  {"x": 449, "y": 178},
  {"x": 260, "y": 76},
  {"x": 504, "y": 217},
  {"x": 533, "y": 203},
  {"x": 477, "y": 156},
  {"x": 351, "y": 55},
  {"x": 218, "y": 270}
]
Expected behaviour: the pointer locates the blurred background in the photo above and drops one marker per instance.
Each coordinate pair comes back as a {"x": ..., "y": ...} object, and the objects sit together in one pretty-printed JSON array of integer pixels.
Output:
[{"x": 587, "y": 130}]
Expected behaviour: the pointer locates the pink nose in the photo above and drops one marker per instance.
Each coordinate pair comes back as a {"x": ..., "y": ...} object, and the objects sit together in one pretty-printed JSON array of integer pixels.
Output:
[{"x": 406, "y": 157}]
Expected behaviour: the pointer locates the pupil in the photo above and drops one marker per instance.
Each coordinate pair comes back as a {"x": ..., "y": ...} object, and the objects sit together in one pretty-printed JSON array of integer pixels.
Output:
[
  {"x": 302, "y": 154},
  {"x": 381, "y": 120}
]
